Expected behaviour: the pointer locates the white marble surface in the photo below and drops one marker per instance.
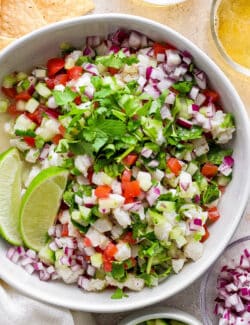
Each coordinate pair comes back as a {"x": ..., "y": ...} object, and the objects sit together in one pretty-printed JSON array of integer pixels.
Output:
[{"x": 191, "y": 19}]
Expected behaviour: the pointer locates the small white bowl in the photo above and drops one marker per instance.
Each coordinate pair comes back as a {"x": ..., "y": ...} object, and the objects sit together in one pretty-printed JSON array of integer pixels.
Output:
[
  {"x": 159, "y": 313},
  {"x": 34, "y": 49}
]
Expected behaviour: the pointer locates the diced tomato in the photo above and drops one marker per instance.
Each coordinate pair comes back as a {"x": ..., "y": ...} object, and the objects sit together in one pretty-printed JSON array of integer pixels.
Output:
[
  {"x": 130, "y": 159},
  {"x": 113, "y": 71},
  {"x": 213, "y": 214},
  {"x": 37, "y": 116},
  {"x": 161, "y": 48},
  {"x": 131, "y": 189},
  {"x": 110, "y": 251},
  {"x": 87, "y": 242},
  {"x": 9, "y": 92},
  {"x": 65, "y": 230},
  {"x": 129, "y": 200},
  {"x": 209, "y": 170},
  {"x": 126, "y": 176},
  {"x": 128, "y": 238},
  {"x": 12, "y": 110},
  {"x": 30, "y": 141},
  {"x": 107, "y": 266},
  {"x": 75, "y": 72},
  {"x": 102, "y": 191},
  {"x": 56, "y": 138},
  {"x": 211, "y": 95},
  {"x": 54, "y": 65},
  {"x": 24, "y": 95},
  {"x": 206, "y": 235},
  {"x": 61, "y": 79},
  {"x": 50, "y": 83},
  {"x": 62, "y": 130},
  {"x": 174, "y": 165},
  {"x": 78, "y": 100}
]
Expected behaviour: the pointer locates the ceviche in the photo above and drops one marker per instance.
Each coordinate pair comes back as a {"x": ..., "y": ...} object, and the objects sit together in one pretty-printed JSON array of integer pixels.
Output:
[{"x": 139, "y": 137}]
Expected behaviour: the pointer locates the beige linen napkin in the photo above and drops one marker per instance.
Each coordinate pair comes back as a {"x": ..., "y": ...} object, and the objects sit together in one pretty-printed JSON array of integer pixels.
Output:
[{"x": 16, "y": 309}]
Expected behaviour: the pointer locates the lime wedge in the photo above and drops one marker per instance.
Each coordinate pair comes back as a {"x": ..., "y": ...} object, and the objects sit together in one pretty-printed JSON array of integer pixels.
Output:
[
  {"x": 40, "y": 205},
  {"x": 10, "y": 195}
]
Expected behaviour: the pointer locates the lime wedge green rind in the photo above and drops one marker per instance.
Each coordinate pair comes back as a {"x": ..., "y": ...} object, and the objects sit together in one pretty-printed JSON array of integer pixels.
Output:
[
  {"x": 10, "y": 195},
  {"x": 40, "y": 205}
]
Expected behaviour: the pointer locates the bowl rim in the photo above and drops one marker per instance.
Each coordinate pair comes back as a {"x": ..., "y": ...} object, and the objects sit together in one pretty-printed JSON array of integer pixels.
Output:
[
  {"x": 244, "y": 197},
  {"x": 204, "y": 282},
  {"x": 236, "y": 66},
  {"x": 159, "y": 312}
]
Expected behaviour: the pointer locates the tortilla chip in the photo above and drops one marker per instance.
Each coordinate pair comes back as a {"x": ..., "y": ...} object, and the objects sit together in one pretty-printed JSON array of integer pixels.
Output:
[
  {"x": 56, "y": 10},
  {"x": 19, "y": 17},
  {"x": 4, "y": 41}
]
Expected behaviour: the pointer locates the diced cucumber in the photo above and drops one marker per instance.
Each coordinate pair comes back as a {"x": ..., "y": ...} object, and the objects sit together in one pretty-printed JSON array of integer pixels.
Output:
[
  {"x": 96, "y": 260},
  {"x": 21, "y": 76},
  {"x": 31, "y": 105},
  {"x": 24, "y": 123},
  {"x": 161, "y": 322},
  {"x": 167, "y": 206},
  {"x": 81, "y": 216},
  {"x": 9, "y": 81},
  {"x": 156, "y": 217},
  {"x": 47, "y": 255},
  {"x": 47, "y": 129},
  {"x": 192, "y": 168},
  {"x": 224, "y": 180},
  {"x": 4, "y": 103},
  {"x": 43, "y": 90}
]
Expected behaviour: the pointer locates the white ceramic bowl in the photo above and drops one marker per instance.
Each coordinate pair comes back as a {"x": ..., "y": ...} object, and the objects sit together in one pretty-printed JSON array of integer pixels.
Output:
[
  {"x": 159, "y": 313},
  {"x": 40, "y": 45}
]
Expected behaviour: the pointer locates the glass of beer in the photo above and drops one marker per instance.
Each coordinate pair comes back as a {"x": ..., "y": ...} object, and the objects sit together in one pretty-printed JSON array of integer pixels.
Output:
[{"x": 230, "y": 24}]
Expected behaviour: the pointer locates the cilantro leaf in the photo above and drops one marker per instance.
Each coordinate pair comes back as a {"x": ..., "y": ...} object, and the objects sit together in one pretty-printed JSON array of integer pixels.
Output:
[
  {"x": 211, "y": 194},
  {"x": 217, "y": 154},
  {"x": 117, "y": 60},
  {"x": 118, "y": 294},
  {"x": 25, "y": 133},
  {"x": 118, "y": 271},
  {"x": 183, "y": 86},
  {"x": 64, "y": 97}
]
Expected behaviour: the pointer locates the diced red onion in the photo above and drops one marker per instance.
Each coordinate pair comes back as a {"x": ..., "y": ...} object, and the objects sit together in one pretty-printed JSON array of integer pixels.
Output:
[
  {"x": 91, "y": 68},
  {"x": 146, "y": 152},
  {"x": 200, "y": 79},
  {"x": 44, "y": 275},
  {"x": 200, "y": 99},
  {"x": 153, "y": 163},
  {"x": 144, "y": 41},
  {"x": 195, "y": 108},
  {"x": 153, "y": 194},
  {"x": 165, "y": 84},
  {"x": 165, "y": 113},
  {"x": 150, "y": 90},
  {"x": 38, "y": 266},
  {"x": 53, "y": 246},
  {"x": 194, "y": 92},
  {"x": 91, "y": 270},
  {"x": 118, "y": 37},
  {"x": 185, "y": 181},
  {"x": 93, "y": 41},
  {"x": 68, "y": 251},
  {"x": 30, "y": 253},
  {"x": 161, "y": 57},
  {"x": 185, "y": 123},
  {"x": 102, "y": 49},
  {"x": 114, "y": 49},
  {"x": 135, "y": 206},
  {"x": 173, "y": 58},
  {"x": 88, "y": 51},
  {"x": 44, "y": 153},
  {"x": 170, "y": 99},
  {"x": 148, "y": 72},
  {"x": 29, "y": 268},
  {"x": 134, "y": 40}
]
